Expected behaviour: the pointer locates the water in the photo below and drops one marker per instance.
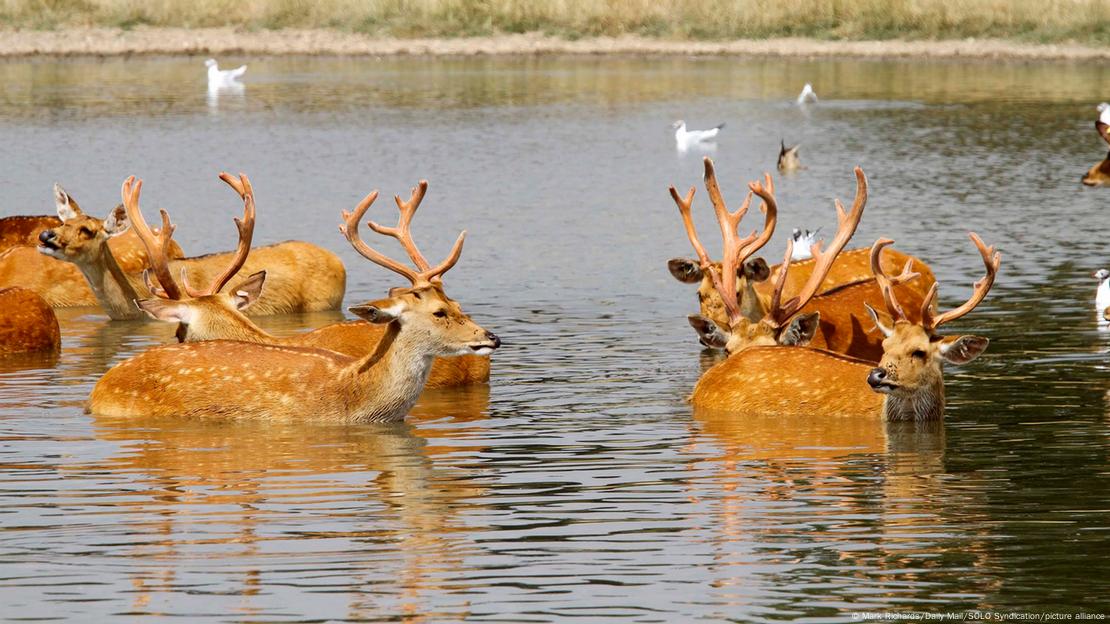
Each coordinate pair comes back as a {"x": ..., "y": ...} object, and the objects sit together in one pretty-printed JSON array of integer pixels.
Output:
[{"x": 579, "y": 485}]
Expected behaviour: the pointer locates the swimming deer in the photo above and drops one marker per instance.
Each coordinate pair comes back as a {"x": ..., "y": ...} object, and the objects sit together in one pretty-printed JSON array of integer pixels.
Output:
[
  {"x": 27, "y": 323},
  {"x": 843, "y": 326},
  {"x": 61, "y": 284},
  {"x": 246, "y": 380},
  {"x": 1099, "y": 173},
  {"x": 84, "y": 241},
  {"x": 213, "y": 315},
  {"x": 907, "y": 383}
]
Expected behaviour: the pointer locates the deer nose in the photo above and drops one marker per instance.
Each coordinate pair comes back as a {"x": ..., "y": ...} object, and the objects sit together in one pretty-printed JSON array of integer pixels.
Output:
[
  {"x": 46, "y": 236},
  {"x": 496, "y": 341},
  {"x": 876, "y": 377}
]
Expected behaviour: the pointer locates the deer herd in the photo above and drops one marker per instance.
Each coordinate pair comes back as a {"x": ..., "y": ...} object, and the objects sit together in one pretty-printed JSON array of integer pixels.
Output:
[{"x": 839, "y": 332}]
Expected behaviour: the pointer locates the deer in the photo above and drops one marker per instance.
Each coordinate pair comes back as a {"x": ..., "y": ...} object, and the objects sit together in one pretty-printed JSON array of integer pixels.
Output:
[
  {"x": 843, "y": 326},
  {"x": 60, "y": 284},
  {"x": 27, "y": 323},
  {"x": 209, "y": 314},
  {"x": 253, "y": 381},
  {"x": 907, "y": 384},
  {"x": 1099, "y": 173},
  {"x": 84, "y": 241}
]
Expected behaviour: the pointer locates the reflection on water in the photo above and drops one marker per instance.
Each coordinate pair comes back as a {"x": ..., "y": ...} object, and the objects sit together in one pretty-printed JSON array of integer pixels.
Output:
[{"x": 579, "y": 483}]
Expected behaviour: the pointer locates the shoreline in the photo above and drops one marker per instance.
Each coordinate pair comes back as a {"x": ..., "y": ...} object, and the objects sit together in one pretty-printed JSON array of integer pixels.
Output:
[{"x": 222, "y": 41}]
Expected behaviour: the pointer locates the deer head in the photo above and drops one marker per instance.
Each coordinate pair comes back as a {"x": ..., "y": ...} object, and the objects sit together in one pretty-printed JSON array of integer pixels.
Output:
[
  {"x": 204, "y": 314},
  {"x": 80, "y": 239},
  {"x": 910, "y": 372},
  {"x": 422, "y": 310},
  {"x": 1099, "y": 173}
]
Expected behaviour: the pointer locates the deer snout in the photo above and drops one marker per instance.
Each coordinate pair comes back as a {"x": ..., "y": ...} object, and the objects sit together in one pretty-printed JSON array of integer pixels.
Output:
[
  {"x": 494, "y": 339},
  {"x": 48, "y": 238},
  {"x": 879, "y": 381}
]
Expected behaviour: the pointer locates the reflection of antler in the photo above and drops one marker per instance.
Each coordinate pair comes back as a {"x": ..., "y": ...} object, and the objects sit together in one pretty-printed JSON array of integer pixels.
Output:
[
  {"x": 886, "y": 282},
  {"x": 736, "y": 250},
  {"x": 245, "y": 226},
  {"x": 425, "y": 273},
  {"x": 778, "y": 314},
  {"x": 157, "y": 243},
  {"x": 992, "y": 260}
]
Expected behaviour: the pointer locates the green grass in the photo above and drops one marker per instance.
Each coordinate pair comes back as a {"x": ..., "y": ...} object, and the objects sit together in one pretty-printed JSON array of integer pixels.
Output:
[{"x": 1084, "y": 21}]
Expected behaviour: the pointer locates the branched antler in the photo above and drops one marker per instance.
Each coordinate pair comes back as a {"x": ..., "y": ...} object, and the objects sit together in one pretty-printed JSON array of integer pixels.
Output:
[
  {"x": 157, "y": 242},
  {"x": 242, "y": 186},
  {"x": 886, "y": 282},
  {"x": 425, "y": 274},
  {"x": 992, "y": 260},
  {"x": 847, "y": 222}
]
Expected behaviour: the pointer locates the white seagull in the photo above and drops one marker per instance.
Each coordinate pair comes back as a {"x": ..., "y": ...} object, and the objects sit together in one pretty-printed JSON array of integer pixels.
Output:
[
  {"x": 807, "y": 94},
  {"x": 1102, "y": 295},
  {"x": 223, "y": 77},
  {"x": 686, "y": 139},
  {"x": 1104, "y": 113},
  {"x": 803, "y": 240}
]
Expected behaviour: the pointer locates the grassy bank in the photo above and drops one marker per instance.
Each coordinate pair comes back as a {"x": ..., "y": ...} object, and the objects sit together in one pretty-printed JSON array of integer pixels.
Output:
[{"x": 1033, "y": 21}]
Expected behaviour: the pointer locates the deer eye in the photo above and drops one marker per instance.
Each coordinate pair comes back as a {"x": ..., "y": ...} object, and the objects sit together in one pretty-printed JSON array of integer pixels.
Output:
[
  {"x": 440, "y": 314},
  {"x": 918, "y": 354},
  {"x": 85, "y": 231}
]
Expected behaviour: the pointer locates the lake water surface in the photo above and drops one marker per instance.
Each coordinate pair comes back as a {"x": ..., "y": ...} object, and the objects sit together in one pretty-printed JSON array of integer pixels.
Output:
[{"x": 580, "y": 484}]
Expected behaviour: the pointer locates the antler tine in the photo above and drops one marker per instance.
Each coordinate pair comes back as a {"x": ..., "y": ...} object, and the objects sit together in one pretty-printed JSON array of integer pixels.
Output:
[
  {"x": 349, "y": 228},
  {"x": 688, "y": 222},
  {"x": 992, "y": 260},
  {"x": 245, "y": 226},
  {"x": 456, "y": 250},
  {"x": 846, "y": 227},
  {"x": 402, "y": 232},
  {"x": 886, "y": 282},
  {"x": 156, "y": 244},
  {"x": 770, "y": 208},
  {"x": 780, "y": 279}
]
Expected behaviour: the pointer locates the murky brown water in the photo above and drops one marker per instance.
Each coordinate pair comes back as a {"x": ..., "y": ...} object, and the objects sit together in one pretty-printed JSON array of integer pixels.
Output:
[{"x": 579, "y": 484}]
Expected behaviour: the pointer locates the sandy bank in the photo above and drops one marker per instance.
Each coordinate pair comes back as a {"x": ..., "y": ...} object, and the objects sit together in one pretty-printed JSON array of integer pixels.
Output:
[{"x": 114, "y": 42}]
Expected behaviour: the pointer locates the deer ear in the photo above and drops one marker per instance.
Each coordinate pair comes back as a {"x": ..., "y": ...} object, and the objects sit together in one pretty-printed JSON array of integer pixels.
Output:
[
  {"x": 166, "y": 310},
  {"x": 801, "y": 329},
  {"x": 248, "y": 291},
  {"x": 685, "y": 270},
  {"x": 67, "y": 208},
  {"x": 116, "y": 223},
  {"x": 885, "y": 329},
  {"x": 380, "y": 311},
  {"x": 756, "y": 270},
  {"x": 963, "y": 349},
  {"x": 709, "y": 333}
]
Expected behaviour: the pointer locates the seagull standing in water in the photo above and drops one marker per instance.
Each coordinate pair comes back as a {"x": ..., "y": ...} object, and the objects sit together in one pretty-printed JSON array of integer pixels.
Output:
[
  {"x": 223, "y": 77},
  {"x": 807, "y": 95},
  {"x": 685, "y": 139},
  {"x": 803, "y": 241}
]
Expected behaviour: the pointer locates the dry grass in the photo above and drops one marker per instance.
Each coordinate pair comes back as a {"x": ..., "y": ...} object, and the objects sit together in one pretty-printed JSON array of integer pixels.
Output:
[{"x": 1084, "y": 21}]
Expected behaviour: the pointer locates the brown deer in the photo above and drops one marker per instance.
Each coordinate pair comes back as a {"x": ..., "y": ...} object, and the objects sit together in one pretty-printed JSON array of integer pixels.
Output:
[
  {"x": 1099, "y": 173},
  {"x": 844, "y": 327},
  {"x": 27, "y": 323},
  {"x": 212, "y": 315},
  {"x": 246, "y": 380},
  {"x": 907, "y": 384},
  {"x": 83, "y": 241},
  {"x": 60, "y": 283}
]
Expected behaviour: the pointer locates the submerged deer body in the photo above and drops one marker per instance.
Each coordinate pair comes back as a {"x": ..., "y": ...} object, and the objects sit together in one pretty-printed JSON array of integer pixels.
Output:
[
  {"x": 230, "y": 379},
  {"x": 212, "y": 315},
  {"x": 27, "y": 323},
  {"x": 84, "y": 241},
  {"x": 60, "y": 283}
]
